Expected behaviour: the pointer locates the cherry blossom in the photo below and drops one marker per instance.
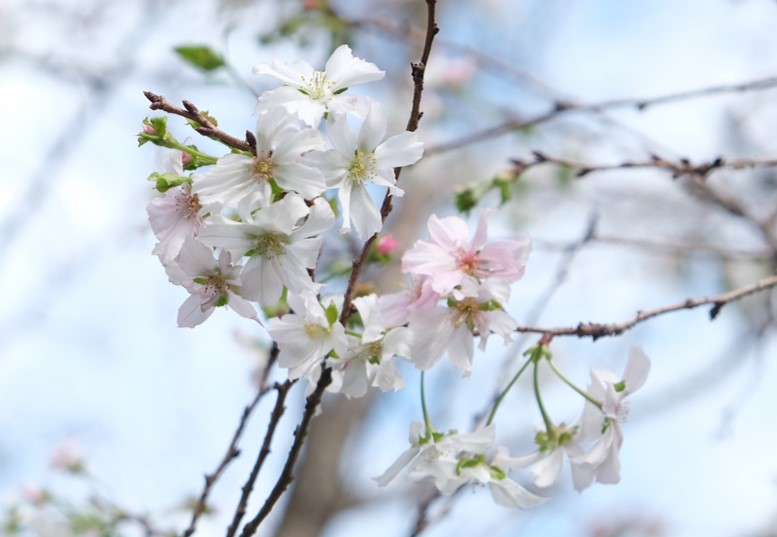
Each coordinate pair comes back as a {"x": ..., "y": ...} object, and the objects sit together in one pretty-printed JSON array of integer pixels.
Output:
[
  {"x": 452, "y": 328},
  {"x": 280, "y": 149},
  {"x": 311, "y": 94},
  {"x": 453, "y": 460},
  {"x": 361, "y": 158},
  {"x": 369, "y": 359},
  {"x": 306, "y": 336},
  {"x": 451, "y": 257},
  {"x": 548, "y": 460},
  {"x": 602, "y": 425},
  {"x": 212, "y": 283},
  {"x": 281, "y": 240}
]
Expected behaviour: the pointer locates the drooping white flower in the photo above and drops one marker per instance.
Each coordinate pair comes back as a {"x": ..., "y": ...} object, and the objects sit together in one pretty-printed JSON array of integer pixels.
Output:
[
  {"x": 369, "y": 359},
  {"x": 454, "y": 460},
  {"x": 362, "y": 158},
  {"x": 212, "y": 283},
  {"x": 311, "y": 94},
  {"x": 306, "y": 336},
  {"x": 547, "y": 461},
  {"x": 280, "y": 149},
  {"x": 281, "y": 240},
  {"x": 601, "y": 462},
  {"x": 451, "y": 257}
]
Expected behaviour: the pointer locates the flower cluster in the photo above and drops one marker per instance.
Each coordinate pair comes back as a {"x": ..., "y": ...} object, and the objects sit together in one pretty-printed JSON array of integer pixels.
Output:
[
  {"x": 454, "y": 459},
  {"x": 245, "y": 230},
  {"x": 249, "y": 227}
]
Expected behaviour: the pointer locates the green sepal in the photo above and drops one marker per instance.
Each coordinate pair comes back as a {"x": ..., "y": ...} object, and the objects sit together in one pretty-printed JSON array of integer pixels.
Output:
[
  {"x": 222, "y": 300},
  {"x": 341, "y": 90},
  {"x": 166, "y": 181},
  {"x": 198, "y": 158},
  {"x": 161, "y": 136},
  {"x": 201, "y": 56},
  {"x": 491, "y": 305},
  {"x": 200, "y": 280},
  {"x": 280, "y": 308},
  {"x": 472, "y": 462},
  {"x": 619, "y": 387},
  {"x": 497, "y": 472},
  {"x": 277, "y": 192},
  {"x": 196, "y": 124},
  {"x": 331, "y": 313}
]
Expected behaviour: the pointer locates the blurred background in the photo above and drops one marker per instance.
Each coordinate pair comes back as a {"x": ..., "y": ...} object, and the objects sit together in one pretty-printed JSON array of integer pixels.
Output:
[{"x": 110, "y": 414}]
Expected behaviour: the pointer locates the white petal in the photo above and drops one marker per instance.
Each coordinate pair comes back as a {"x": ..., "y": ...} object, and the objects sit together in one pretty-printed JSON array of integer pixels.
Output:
[{"x": 400, "y": 150}]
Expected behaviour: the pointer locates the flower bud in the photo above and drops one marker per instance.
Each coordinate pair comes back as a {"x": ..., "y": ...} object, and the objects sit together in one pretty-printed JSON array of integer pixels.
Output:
[{"x": 386, "y": 244}]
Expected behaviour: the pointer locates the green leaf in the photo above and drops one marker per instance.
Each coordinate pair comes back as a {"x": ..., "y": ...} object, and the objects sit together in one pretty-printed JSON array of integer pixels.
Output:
[
  {"x": 201, "y": 56},
  {"x": 331, "y": 313}
]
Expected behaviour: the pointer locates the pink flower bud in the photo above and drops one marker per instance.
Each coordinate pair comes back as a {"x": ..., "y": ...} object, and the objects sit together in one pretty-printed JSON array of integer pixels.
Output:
[
  {"x": 33, "y": 494},
  {"x": 66, "y": 457},
  {"x": 386, "y": 244},
  {"x": 186, "y": 158},
  {"x": 148, "y": 129},
  {"x": 310, "y": 5}
]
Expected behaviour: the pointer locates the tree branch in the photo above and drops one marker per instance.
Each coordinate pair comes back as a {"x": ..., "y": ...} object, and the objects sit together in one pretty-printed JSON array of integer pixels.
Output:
[
  {"x": 264, "y": 452},
  {"x": 193, "y": 113},
  {"x": 232, "y": 451},
  {"x": 563, "y": 107},
  {"x": 598, "y": 330}
]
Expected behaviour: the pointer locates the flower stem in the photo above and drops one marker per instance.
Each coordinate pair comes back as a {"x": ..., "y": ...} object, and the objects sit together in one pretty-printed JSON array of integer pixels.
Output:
[
  {"x": 427, "y": 419},
  {"x": 502, "y": 395},
  {"x": 548, "y": 424},
  {"x": 572, "y": 385}
]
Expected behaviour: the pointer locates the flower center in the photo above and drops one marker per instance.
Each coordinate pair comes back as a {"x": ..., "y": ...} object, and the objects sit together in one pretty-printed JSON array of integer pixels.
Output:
[
  {"x": 317, "y": 87},
  {"x": 213, "y": 291},
  {"x": 468, "y": 262},
  {"x": 271, "y": 244},
  {"x": 373, "y": 351},
  {"x": 262, "y": 168},
  {"x": 187, "y": 205},
  {"x": 467, "y": 310},
  {"x": 316, "y": 331},
  {"x": 361, "y": 167}
]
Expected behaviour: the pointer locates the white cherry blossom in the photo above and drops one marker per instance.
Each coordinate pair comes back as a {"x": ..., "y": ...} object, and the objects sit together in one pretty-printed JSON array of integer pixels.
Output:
[
  {"x": 281, "y": 240},
  {"x": 280, "y": 156},
  {"x": 453, "y": 460},
  {"x": 306, "y": 336},
  {"x": 359, "y": 159},
  {"x": 311, "y": 94},
  {"x": 211, "y": 282},
  {"x": 369, "y": 359},
  {"x": 601, "y": 462}
]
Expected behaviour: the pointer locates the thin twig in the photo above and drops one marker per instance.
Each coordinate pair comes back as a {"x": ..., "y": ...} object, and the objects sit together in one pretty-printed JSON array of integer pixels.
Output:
[
  {"x": 418, "y": 71},
  {"x": 192, "y": 112},
  {"x": 563, "y": 107},
  {"x": 664, "y": 248},
  {"x": 264, "y": 452},
  {"x": 232, "y": 451},
  {"x": 287, "y": 473},
  {"x": 681, "y": 168},
  {"x": 598, "y": 330}
]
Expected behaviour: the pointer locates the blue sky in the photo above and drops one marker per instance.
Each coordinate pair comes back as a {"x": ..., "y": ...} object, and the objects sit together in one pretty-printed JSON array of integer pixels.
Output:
[{"x": 88, "y": 343}]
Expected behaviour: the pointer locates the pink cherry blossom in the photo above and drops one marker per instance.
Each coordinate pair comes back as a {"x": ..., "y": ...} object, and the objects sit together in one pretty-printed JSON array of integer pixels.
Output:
[{"x": 451, "y": 257}]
